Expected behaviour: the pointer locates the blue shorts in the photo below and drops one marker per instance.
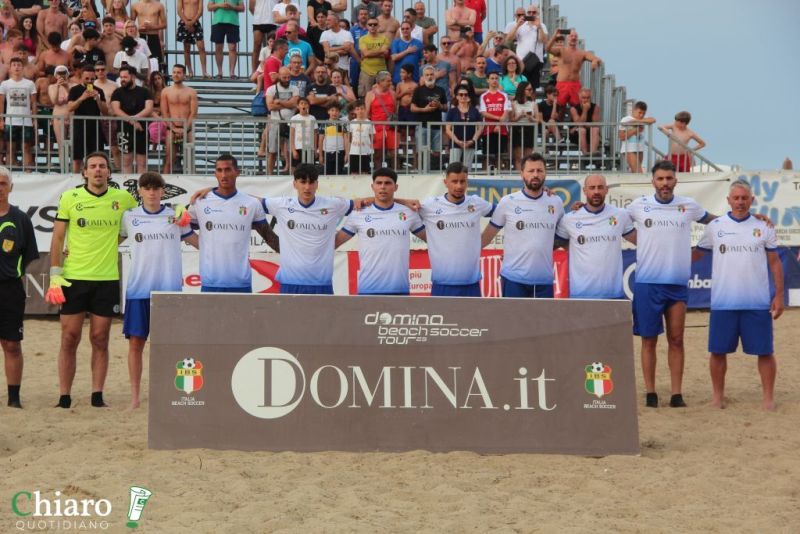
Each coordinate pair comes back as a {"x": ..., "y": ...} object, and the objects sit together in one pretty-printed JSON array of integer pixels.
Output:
[
  {"x": 525, "y": 291},
  {"x": 223, "y": 31},
  {"x": 302, "y": 289},
  {"x": 650, "y": 301},
  {"x": 209, "y": 289},
  {"x": 753, "y": 327},
  {"x": 137, "y": 318},
  {"x": 463, "y": 290}
]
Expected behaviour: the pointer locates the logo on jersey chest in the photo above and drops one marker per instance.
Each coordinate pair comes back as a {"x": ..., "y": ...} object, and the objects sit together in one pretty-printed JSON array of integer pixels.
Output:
[
  {"x": 96, "y": 223},
  {"x": 455, "y": 225},
  {"x": 8, "y": 245},
  {"x": 584, "y": 239},
  {"x": 242, "y": 210},
  {"x": 291, "y": 224},
  {"x": 386, "y": 232},
  {"x": 650, "y": 223},
  {"x": 534, "y": 225}
]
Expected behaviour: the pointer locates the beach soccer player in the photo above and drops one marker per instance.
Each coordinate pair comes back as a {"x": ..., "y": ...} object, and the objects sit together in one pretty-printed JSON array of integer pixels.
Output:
[
  {"x": 154, "y": 240},
  {"x": 17, "y": 250},
  {"x": 384, "y": 238},
  {"x": 744, "y": 255},
  {"x": 88, "y": 221},
  {"x": 453, "y": 231}
]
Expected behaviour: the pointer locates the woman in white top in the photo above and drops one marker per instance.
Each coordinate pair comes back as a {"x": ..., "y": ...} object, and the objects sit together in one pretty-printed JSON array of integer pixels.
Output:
[{"x": 524, "y": 111}]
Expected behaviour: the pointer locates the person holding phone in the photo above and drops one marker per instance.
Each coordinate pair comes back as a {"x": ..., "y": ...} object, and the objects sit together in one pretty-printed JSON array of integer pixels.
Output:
[
  {"x": 86, "y": 101},
  {"x": 530, "y": 34}
]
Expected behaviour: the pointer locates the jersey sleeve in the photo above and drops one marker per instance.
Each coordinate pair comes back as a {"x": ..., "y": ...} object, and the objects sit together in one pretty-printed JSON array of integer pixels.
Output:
[
  {"x": 267, "y": 204},
  {"x": 415, "y": 222},
  {"x": 507, "y": 104},
  {"x": 31, "y": 249},
  {"x": 562, "y": 229},
  {"x": 633, "y": 209},
  {"x": 626, "y": 222},
  {"x": 342, "y": 206},
  {"x": 123, "y": 227},
  {"x": 128, "y": 202},
  {"x": 770, "y": 238},
  {"x": 707, "y": 240},
  {"x": 192, "y": 210},
  {"x": 498, "y": 219},
  {"x": 350, "y": 225},
  {"x": 481, "y": 105},
  {"x": 64, "y": 207},
  {"x": 697, "y": 211},
  {"x": 259, "y": 215}
]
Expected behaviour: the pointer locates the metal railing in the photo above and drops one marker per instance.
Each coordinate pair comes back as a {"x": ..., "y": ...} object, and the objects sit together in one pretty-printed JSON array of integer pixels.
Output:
[{"x": 690, "y": 159}]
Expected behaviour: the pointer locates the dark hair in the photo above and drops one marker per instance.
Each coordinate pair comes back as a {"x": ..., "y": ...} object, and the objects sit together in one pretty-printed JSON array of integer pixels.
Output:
[
  {"x": 456, "y": 167},
  {"x": 336, "y": 106},
  {"x": 346, "y": 23},
  {"x": 430, "y": 48},
  {"x": 129, "y": 69},
  {"x": 533, "y": 156},
  {"x": 109, "y": 20},
  {"x": 151, "y": 180},
  {"x": 408, "y": 68},
  {"x": 97, "y": 154},
  {"x": 291, "y": 8},
  {"x": 54, "y": 39},
  {"x": 88, "y": 68},
  {"x": 227, "y": 157},
  {"x": 384, "y": 171},
  {"x": 306, "y": 171},
  {"x": 519, "y": 97},
  {"x": 280, "y": 43},
  {"x": 683, "y": 116},
  {"x": 663, "y": 165},
  {"x": 15, "y": 59},
  {"x": 357, "y": 103},
  {"x": 411, "y": 11},
  {"x": 640, "y": 105},
  {"x": 180, "y": 66},
  {"x": 505, "y": 64},
  {"x": 128, "y": 42},
  {"x": 303, "y": 99},
  {"x": 91, "y": 34},
  {"x": 550, "y": 89}
]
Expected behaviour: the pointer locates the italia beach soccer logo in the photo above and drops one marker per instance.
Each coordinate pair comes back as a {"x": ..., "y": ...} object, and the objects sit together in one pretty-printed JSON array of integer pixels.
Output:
[
  {"x": 598, "y": 379},
  {"x": 189, "y": 375}
]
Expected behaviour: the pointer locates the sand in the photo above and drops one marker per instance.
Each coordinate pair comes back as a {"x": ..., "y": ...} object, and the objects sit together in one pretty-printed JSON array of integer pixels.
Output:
[{"x": 701, "y": 469}]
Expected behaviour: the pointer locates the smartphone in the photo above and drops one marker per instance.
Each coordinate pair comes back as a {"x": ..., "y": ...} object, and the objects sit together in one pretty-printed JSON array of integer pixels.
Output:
[
  {"x": 530, "y": 18},
  {"x": 90, "y": 87},
  {"x": 564, "y": 31}
]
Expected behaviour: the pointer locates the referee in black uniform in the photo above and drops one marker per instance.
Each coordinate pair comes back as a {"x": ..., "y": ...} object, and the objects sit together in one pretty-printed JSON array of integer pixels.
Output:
[{"x": 17, "y": 249}]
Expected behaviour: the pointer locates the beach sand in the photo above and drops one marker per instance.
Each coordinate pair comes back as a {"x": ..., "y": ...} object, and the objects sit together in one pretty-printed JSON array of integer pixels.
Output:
[{"x": 701, "y": 469}]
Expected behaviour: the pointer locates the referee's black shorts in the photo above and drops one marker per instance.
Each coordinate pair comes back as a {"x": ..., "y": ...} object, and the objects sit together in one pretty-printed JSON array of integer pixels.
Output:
[
  {"x": 12, "y": 309},
  {"x": 96, "y": 297}
]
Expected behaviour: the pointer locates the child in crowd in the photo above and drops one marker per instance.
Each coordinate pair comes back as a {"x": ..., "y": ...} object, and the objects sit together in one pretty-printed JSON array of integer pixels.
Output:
[
  {"x": 362, "y": 133},
  {"x": 333, "y": 142},
  {"x": 680, "y": 153}
]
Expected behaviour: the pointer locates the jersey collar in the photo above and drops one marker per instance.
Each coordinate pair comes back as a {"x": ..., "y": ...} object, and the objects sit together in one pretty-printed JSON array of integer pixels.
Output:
[
  {"x": 598, "y": 212},
  {"x": 382, "y": 209},
  {"x": 306, "y": 206},
  {"x": 163, "y": 207},
  {"x": 95, "y": 194},
  {"x": 223, "y": 196},
  {"x": 530, "y": 197},
  {"x": 730, "y": 214},
  {"x": 455, "y": 203},
  {"x": 655, "y": 197}
]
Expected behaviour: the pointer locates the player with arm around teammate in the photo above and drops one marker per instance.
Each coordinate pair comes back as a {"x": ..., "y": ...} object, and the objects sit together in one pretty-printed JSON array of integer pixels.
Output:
[
  {"x": 155, "y": 244},
  {"x": 594, "y": 236},
  {"x": 530, "y": 217},
  {"x": 384, "y": 229},
  {"x": 743, "y": 248}
]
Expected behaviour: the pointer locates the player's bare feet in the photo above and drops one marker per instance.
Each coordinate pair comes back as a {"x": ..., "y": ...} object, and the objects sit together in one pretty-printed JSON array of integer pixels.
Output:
[
  {"x": 718, "y": 403},
  {"x": 135, "y": 403},
  {"x": 768, "y": 405}
]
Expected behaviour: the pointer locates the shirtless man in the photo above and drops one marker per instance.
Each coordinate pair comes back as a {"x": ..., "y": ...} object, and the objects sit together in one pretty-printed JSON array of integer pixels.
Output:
[
  {"x": 457, "y": 17},
  {"x": 151, "y": 18},
  {"x": 8, "y": 50},
  {"x": 387, "y": 24},
  {"x": 190, "y": 32},
  {"x": 110, "y": 41},
  {"x": 447, "y": 55},
  {"x": 680, "y": 154},
  {"x": 403, "y": 91},
  {"x": 54, "y": 55},
  {"x": 29, "y": 70},
  {"x": 571, "y": 59},
  {"x": 52, "y": 20},
  {"x": 466, "y": 50},
  {"x": 58, "y": 94},
  {"x": 178, "y": 101}
]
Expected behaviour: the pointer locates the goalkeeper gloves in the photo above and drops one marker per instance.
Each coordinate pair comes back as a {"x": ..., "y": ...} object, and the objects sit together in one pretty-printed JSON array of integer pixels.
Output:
[
  {"x": 182, "y": 217},
  {"x": 55, "y": 295}
]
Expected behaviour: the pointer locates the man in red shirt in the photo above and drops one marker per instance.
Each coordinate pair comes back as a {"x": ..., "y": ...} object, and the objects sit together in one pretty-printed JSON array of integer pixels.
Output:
[
  {"x": 274, "y": 62},
  {"x": 495, "y": 106}
]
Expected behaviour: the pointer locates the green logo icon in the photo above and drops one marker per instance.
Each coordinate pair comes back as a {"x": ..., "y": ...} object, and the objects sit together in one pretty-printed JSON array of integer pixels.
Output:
[{"x": 139, "y": 497}]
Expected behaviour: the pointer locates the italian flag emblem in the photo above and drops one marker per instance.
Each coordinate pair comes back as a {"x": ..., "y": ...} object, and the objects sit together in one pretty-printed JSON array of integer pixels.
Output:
[
  {"x": 598, "y": 379},
  {"x": 189, "y": 375}
]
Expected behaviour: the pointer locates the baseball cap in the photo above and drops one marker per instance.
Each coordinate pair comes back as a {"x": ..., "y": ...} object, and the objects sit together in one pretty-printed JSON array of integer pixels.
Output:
[{"x": 61, "y": 69}]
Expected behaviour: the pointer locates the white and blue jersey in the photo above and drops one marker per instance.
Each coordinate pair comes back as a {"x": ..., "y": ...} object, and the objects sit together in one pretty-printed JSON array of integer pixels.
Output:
[
  {"x": 225, "y": 225},
  {"x": 454, "y": 238},
  {"x": 530, "y": 227},
  {"x": 595, "y": 251},
  {"x": 739, "y": 270},
  {"x": 307, "y": 235},
  {"x": 384, "y": 242},
  {"x": 155, "y": 244},
  {"x": 664, "y": 238}
]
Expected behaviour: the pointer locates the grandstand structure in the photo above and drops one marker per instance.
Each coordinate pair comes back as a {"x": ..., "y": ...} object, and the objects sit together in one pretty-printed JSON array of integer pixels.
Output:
[{"x": 225, "y": 123}]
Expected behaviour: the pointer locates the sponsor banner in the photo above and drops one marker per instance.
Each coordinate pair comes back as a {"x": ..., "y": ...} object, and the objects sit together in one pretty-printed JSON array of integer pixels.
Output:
[{"x": 391, "y": 374}]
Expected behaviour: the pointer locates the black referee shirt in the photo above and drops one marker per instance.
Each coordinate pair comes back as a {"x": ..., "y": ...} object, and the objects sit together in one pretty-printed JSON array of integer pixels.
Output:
[{"x": 17, "y": 244}]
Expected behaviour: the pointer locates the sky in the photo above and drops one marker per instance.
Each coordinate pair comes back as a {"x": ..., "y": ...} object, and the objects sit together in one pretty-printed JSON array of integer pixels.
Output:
[{"x": 733, "y": 64}]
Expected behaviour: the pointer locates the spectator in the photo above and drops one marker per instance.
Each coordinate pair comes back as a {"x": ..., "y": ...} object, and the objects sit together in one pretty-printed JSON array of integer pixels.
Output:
[
  {"x": 459, "y": 17},
  {"x": 52, "y": 20},
  {"x": 52, "y": 57},
  {"x": 119, "y": 12},
  {"x": 110, "y": 43},
  {"x": 8, "y": 18},
  {"x": 530, "y": 34},
  {"x": 511, "y": 77},
  {"x": 88, "y": 53},
  {"x": 464, "y": 136},
  {"x": 314, "y": 33},
  {"x": 315, "y": 7},
  {"x": 357, "y": 31},
  {"x": 333, "y": 142},
  {"x": 30, "y": 70},
  {"x": 585, "y": 111},
  {"x": 179, "y": 103},
  {"x": 334, "y": 39},
  {"x": 157, "y": 130},
  {"x": 404, "y": 92},
  {"x": 304, "y": 49},
  {"x": 680, "y": 153},
  {"x": 26, "y": 7},
  {"x": 86, "y": 100},
  {"x": 362, "y": 134},
  {"x": 44, "y": 105},
  {"x": 130, "y": 57},
  {"x": 569, "y": 73},
  {"x": 225, "y": 27},
  {"x": 302, "y": 135},
  {"x": 447, "y": 55},
  {"x": 405, "y": 51},
  {"x": 263, "y": 23},
  {"x": 344, "y": 92},
  {"x": 479, "y": 6},
  {"x": 466, "y": 50},
  {"x": 410, "y": 16},
  {"x": 299, "y": 78},
  {"x": 519, "y": 13},
  {"x": 110, "y": 127},
  {"x": 632, "y": 136},
  {"x": 495, "y": 62},
  {"x": 380, "y": 105},
  {"x": 787, "y": 165},
  {"x": 141, "y": 45},
  {"x": 279, "y": 15},
  {"x": 282, "y": 98},
  {"x": 151, "y": 19},
  {"x": 551, "y": 112},
  {"x": 274, "y": 62},
  {"x": 495, "y": 106},
  {"x": 18, "y": 95},
  {"x": 525, "y": 111},
  {"x": 321, "y": 94},
  {"x": 428, "y": 103},
  {"x": 131, "y": 102},
  {"x": 29, "y": 36},
  {"x": 387, "y": 24},
  {"x": 427, "y": 24},
  {"x": 292, "y": 14},
  {"x": 8, "y": 50},
  {"x": 430, "y": 56},
  {"x": 493, "y": 39},
  {"x": 374, "y": 50},
  {"x": 554, "y": 59},
  {"x": 479, "y": 79},
  {"x": 331, "y": 62},
  {"x": 373, "y": 10},
  {"x": 74, "y": 36},
  {"x": 190, "y": 32}
]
